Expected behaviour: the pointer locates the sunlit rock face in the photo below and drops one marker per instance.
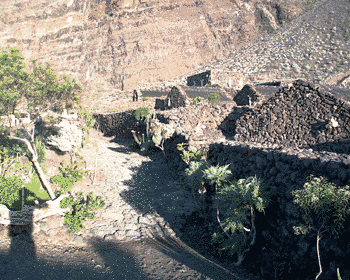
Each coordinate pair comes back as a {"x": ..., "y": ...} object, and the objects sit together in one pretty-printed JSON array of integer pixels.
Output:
[{"x": 114, "y": 45}]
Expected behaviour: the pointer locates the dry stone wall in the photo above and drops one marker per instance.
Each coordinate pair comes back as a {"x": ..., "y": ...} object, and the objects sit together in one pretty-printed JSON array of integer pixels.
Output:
[
  {"x": 304, "y": 115},
  {"x": 303, "y": 130},
  {"x": 118, "y": 124},
  {"x": 299, "y": 131}
]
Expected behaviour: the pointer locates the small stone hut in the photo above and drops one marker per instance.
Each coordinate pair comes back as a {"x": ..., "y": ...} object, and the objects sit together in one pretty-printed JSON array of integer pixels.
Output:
[{"x": 225, "y": 79}]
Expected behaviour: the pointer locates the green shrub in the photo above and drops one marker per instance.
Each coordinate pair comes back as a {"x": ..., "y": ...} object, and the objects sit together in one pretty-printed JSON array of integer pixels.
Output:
[
  {"x": 65, "y": 183},
  {"x": 146, "y": 98},
  {"x": 187, "y": 156},
  {"x": 141, "y": 113},
  {"x": 10, "y": 192},
  {"x": 112, "y": 111},
  {"x": 51, "y": 120},
  {"x": 40, "y": 148},
  {"x": 197, "y": 100},
  {"x": 88, "y": 121},
  {"x": 70, "y": 174},
  {"x": 9, "y": 160},
  {"x": 325, "y": 206},
  {"x": 81, "y": 210},
  {"x": 237, "y": 202},
  {"x": 213, "y": 98}
]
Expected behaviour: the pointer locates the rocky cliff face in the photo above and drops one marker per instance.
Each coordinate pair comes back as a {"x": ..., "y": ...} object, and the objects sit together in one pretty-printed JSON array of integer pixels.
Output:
[{"x": 113, "y": 45}]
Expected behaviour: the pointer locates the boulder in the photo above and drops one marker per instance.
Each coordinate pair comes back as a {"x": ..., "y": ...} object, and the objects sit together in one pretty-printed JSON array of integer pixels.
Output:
[
  {"x": 4, "y": 212},
  {"x": 69, "y": 135}
]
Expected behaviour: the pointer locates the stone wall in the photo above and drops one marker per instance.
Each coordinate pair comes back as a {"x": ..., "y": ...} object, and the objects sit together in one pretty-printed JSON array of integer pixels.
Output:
[
  {"x": 308, "y": 145},
  {"x": 300, "y": 131},
  {"x": 223, "y": 78},
  {"x": 228, "y": 79},
  {"x": 304, "y": 115},
  {"x": 118, "y": 124}
]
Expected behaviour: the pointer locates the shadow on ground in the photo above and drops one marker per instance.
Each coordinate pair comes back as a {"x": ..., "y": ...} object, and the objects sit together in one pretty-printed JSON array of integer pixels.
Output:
[{"x": 150, "y": 258}]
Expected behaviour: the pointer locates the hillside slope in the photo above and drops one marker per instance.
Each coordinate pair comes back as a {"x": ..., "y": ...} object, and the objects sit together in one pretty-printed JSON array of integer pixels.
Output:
[
  {"x": 107, "y": 48},
  {"x": 315, "y": 47}
]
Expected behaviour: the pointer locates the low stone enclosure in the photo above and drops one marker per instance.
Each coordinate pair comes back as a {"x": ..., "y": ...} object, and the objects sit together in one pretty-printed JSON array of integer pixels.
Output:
[{"x": 282, "y": 138}]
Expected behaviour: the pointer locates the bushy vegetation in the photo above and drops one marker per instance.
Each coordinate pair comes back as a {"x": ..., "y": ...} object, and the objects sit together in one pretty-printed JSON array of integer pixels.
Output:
[
  {"x": 81, "y": 210},
  {"x": 213, "y": 98},
  {"x": 42, "y": 91},
  {"x": 70, "y": 174},
  {"x": 142, "y": 113},
  {"x": 10, "y": 188},
  {"x": 325, "y": 206},
  {"x": 88, "y": 121}
]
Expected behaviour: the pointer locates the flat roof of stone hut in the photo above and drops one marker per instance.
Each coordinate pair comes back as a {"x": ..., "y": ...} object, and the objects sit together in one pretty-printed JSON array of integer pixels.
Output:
[{"x": 204, "y": 92}]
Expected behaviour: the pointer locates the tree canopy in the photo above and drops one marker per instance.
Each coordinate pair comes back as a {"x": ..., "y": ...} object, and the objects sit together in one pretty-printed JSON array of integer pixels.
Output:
[{"x": 40, "y": 88}]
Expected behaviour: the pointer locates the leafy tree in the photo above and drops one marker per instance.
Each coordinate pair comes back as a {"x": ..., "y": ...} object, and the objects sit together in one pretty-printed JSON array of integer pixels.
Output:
[
  {"x": 324, "y": 206},
  {"x": 45, "y": 92},
  {"x": 40, "y": 88},
  {"x": 12, "y": 80}
]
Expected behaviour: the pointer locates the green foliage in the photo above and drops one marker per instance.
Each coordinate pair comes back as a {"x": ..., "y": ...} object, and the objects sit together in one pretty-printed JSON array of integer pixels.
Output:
[
  {"x": 141, "y": 113},
  {"x": 88, "y": 121},
  {"x": 112, "y": 111},
  {"x": 323, "y": 204},
  {"x": 237, "y": 202},
  {"x": 40, "y": 88},
  {"x": 34, "y": 187},
  {"x": 213, "y": 98},
  {"x": 39, "y": 143},
  {"x": 197, "y": 100},
  {"x": 47, "y": 92},
  {"x": 51, "y": 120},
  {"x": 65, "y": 183},
  {"x": 194, "y": 175},
  {"x": 146, "y": 98},
  {"x": 87, "y": 118},
  {"x": 12, "y": 80},
  {"x": 9, "y": 157},
  {"x": 70, "y": 174},
  {"x": 10, "y": 188},
  {"x": 81, "y": 210},
  {"x": 189, "y": 155}
]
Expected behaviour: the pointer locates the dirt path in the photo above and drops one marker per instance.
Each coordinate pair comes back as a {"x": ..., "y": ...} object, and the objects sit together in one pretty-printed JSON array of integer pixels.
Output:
[
  {"x": 32, "y": 255},
  {"x": 145, "y": 259}
]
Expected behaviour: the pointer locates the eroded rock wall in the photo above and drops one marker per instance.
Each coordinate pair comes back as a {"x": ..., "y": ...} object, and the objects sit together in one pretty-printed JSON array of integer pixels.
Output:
[{"x": 108, "y": 47}]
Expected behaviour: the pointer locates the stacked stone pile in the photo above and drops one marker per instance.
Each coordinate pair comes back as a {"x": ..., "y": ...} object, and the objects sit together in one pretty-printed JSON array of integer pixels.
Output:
[
  {"x": 303, "y": 130},
  {"x": 199, "y": 122},
  {"x": 304, "y": 115},
  {"x": 118, "y": 124}
]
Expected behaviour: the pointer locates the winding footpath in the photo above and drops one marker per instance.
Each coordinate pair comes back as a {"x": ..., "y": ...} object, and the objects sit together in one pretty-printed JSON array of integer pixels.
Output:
[{"x": 135, "y": 236}]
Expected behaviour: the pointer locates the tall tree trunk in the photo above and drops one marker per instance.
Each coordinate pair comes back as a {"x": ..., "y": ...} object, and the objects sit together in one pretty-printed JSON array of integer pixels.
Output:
[{"x": 37, "y": 167}]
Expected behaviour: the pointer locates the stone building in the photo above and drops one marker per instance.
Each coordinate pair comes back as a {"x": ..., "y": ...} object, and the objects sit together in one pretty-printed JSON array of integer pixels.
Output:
[{"x": 225, "y": 79}]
